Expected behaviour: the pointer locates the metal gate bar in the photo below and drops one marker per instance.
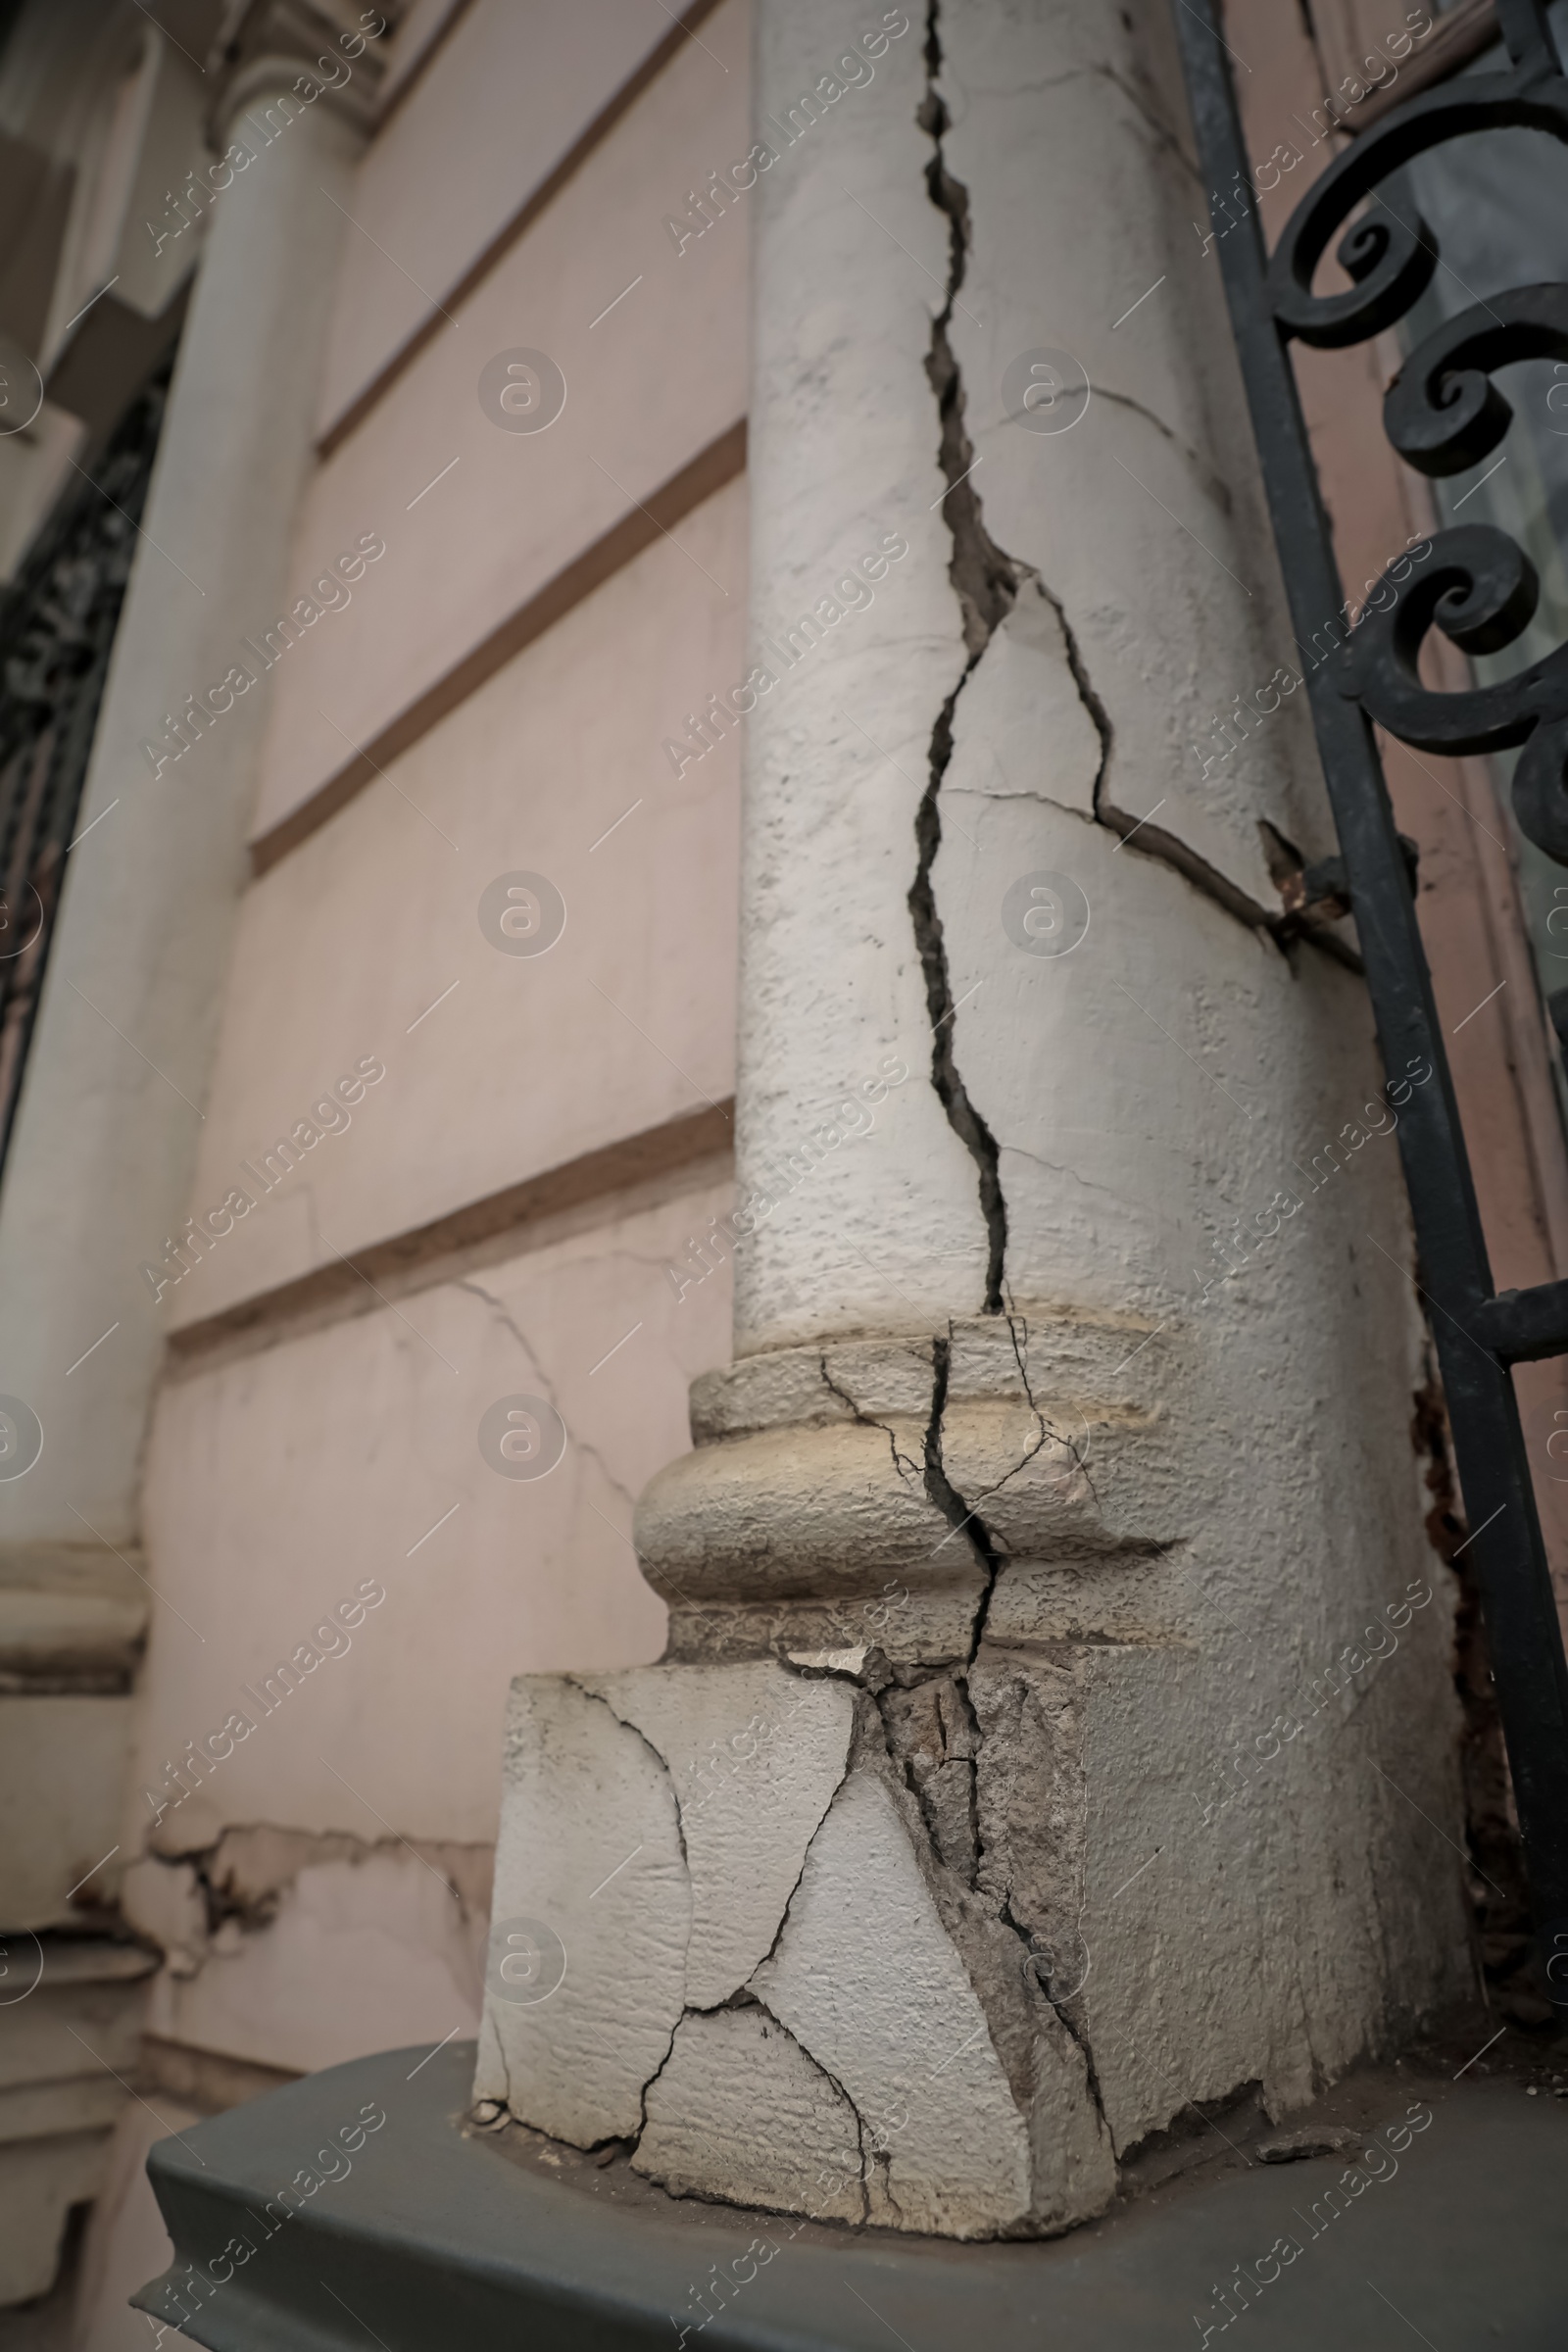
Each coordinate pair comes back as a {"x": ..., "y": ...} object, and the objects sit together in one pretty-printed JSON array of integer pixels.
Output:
[{"x": 1443, "y": 415}]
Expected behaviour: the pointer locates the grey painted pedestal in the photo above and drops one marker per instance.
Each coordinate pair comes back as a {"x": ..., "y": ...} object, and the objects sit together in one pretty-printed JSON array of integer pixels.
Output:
[{"x": 431, "y": 2235}]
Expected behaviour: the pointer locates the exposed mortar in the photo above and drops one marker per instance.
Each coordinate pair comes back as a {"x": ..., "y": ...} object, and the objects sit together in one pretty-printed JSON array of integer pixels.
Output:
[
  {"x": 1078, "y": 2031},
  {"x": 887, "y": 1686},
  {"x": 986, "y": 582}
]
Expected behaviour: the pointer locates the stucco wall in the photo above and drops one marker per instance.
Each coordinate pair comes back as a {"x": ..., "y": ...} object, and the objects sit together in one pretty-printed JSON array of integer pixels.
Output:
[{"x": 310, "y": 1434}]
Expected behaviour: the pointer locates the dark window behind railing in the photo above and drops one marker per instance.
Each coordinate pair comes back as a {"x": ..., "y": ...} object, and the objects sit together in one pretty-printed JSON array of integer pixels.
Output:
[{"x": 57, "y": 629}]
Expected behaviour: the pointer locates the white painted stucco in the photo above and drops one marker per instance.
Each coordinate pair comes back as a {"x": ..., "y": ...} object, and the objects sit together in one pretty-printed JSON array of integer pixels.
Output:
[{"x": 1085, "y": 1510}]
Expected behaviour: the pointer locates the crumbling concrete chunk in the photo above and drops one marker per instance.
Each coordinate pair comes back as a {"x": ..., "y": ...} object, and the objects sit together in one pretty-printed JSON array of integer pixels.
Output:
[{"x": 931, "y": 1732}]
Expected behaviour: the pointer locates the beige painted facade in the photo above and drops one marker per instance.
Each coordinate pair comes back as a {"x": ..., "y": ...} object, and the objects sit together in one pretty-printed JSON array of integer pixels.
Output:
[{"x": 468, "y": 1171}]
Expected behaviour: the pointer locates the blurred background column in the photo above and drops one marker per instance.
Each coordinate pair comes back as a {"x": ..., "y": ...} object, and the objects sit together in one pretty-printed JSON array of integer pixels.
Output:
[{"x": 246, "y": 159}]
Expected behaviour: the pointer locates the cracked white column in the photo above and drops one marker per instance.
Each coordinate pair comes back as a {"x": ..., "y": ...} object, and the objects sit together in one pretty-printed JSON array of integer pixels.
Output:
[{"x": 988, "y": 1811}]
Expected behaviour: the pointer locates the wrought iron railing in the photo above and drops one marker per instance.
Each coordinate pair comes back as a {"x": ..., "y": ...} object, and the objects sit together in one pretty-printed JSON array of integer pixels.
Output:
[
  {"x": 57, "y": 628},
  {"x": 1443, "y": 414}
]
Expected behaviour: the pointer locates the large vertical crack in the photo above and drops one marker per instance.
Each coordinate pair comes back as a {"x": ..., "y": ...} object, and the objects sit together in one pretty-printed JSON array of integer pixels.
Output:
[
  {"x": 967, "y": 1518},
  {"x": 992, "y": 1558},
  {"x": 962, "y": 1518},
  {"x": 985, "y": 581}
]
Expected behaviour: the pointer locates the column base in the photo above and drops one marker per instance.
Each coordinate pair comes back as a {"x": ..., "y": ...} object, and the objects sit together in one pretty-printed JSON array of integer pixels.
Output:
[{"x": 743, "y": 1923}]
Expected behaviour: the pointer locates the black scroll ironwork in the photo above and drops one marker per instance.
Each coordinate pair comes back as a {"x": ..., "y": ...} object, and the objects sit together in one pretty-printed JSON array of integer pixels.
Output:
[
  {"x": 1442, "y": 414},
  {"x": 57, "y": 631}
]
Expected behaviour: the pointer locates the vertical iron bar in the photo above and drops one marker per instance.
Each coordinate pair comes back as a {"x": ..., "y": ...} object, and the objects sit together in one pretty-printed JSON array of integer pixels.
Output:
[{"x": 1522, "y": 1632}]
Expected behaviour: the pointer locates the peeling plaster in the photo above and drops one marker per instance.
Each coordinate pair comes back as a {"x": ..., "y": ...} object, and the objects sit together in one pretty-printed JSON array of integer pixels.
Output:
[
  {"x": 984, "y": 1755},
  {"x": 243, "y": 1875}
]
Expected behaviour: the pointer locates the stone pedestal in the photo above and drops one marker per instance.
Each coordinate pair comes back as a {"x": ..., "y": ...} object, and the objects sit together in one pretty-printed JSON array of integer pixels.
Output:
[{"x": 1055, "y": 1729}]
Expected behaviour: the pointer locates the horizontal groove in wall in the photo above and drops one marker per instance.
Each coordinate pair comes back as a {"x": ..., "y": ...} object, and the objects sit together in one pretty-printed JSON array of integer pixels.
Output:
[
  {"x": 522, "y": 221},
  {"x": 208, "y": 2080},
  {"x": 637, "y": 1172},
  {"x": 708, "y": 471}
]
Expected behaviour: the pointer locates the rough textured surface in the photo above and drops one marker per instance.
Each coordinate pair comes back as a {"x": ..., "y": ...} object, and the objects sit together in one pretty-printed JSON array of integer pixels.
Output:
[
  {"x": 590, "y": 1849},
  {"x": 867, "y": 1979},
  {"x": 832, "y": 1500},
  {"x": 940, "y": 2087},
  {"x": 740, "y": 2111},
  {"x": 754, "y": 1755}
]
